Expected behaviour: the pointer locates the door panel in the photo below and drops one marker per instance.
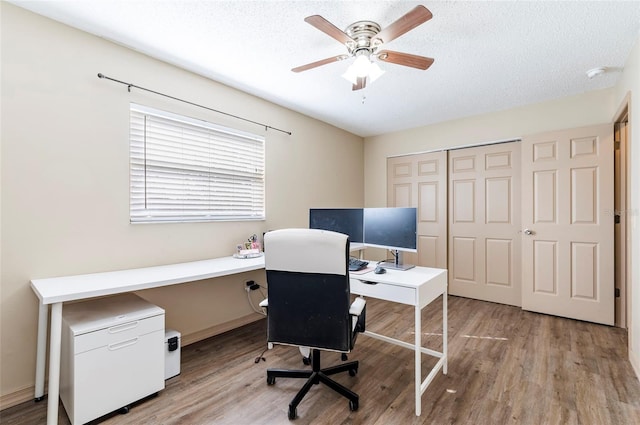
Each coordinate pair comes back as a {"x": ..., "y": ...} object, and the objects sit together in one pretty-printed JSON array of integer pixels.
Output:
[
  {"x": 546, "y": 196},
  {"x": 545, "y": 267},
  {"x": 421, "y": 181},
  {"x": 484, "y": 223},
  {"x": 567, "y": 186},
  {"x": 464, "y": 201},
  {"x": 498, "y": 272},
  {"x": 464, "y": 264}
]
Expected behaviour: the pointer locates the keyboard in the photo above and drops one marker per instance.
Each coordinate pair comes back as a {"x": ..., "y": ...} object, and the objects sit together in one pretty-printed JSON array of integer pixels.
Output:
[{"x": 356, "y": 264}]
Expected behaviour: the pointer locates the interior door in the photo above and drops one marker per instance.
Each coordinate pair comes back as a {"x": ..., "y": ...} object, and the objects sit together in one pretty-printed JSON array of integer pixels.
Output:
[
  {"x": 567, "y": 214},
  {"x": 484, "y": 223},
  {"x": 420, "y": 181}
]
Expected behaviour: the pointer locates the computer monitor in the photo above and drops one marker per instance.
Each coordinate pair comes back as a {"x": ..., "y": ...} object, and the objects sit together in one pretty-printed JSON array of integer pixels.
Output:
[
  {"x": 394, "y": 229},
  {"x": 342, "y": 220}
]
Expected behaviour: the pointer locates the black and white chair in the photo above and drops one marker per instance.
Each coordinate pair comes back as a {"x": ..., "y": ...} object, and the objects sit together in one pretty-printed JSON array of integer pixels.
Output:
[{"x": 309, "y": 304}]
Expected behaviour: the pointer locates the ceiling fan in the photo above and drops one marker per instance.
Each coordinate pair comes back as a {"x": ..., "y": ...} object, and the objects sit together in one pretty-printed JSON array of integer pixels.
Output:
[{"x": 363, "y": 40}]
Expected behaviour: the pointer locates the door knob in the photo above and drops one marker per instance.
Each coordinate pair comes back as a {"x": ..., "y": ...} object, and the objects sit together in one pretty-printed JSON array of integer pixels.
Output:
[{"x": 528, "y": 232}]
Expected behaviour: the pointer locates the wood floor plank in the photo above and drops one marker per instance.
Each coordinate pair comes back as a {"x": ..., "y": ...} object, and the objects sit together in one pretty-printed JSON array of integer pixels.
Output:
[{"x": 506, "y": 366}]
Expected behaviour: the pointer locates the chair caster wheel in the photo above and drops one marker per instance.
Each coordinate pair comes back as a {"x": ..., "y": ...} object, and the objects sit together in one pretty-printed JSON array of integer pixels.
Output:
[
  {"x": 344, "y": 357},
  {"x": 271, "y": 380},
  {"x": 353, "y": 372},
  {"x": 353, "y": 405},
  {"x": 124, "y": 410},
  {"x": 292, "y": 413},
  {"x": 306, "y": 360}
]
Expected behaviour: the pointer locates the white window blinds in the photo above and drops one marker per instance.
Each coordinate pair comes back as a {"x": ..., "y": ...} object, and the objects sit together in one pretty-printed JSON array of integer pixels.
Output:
[{"x": 182, "y": 169}]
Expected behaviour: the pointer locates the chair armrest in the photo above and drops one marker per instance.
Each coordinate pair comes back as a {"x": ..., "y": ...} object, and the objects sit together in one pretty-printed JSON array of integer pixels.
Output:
[{"x": 357, "y": 306}]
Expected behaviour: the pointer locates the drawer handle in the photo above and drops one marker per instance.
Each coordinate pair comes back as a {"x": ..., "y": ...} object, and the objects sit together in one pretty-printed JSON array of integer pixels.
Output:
[
  {"x": 123, "y": 327},
  {"x": 123, "y": 344}
]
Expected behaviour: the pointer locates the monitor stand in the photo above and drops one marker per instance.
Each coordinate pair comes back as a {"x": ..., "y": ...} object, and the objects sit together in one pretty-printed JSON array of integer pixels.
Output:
[{"x": 398, "y": 264}]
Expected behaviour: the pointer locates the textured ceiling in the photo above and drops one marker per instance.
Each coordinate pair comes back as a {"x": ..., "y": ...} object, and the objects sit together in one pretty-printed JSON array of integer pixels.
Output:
[{"x": 488, "y": 56}]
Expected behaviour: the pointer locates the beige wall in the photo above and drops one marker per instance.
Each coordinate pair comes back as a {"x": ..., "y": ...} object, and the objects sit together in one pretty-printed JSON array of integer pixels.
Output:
[
  {"x": 590, "y": 108},
  {"x": 64, "y": 194},
  {"x": 629, "y": 85}
]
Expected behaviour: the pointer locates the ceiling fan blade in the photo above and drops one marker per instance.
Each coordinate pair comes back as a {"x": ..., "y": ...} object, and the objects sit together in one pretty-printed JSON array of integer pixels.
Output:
[
  {"x": 415, "y": 17},
  {"x": 319, "y": 63},
  {"x": 361, "y": 82},
  {"x": 406, "y": 59},
  {"x": 328, "y": 28}
]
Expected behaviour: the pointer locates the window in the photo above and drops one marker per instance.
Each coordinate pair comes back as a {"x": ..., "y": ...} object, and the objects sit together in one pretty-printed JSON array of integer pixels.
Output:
[{"x": 183, "y": 169}]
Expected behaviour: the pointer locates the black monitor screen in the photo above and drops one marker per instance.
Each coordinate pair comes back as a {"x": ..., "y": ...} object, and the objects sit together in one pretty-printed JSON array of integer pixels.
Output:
[
  {"x": 391, "y": 228},
  {"x": 341, "y": 220}
]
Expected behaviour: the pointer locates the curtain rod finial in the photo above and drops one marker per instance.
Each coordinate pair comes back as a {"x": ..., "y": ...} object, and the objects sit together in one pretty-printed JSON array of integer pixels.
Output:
[{"x": 100, "y": 75}]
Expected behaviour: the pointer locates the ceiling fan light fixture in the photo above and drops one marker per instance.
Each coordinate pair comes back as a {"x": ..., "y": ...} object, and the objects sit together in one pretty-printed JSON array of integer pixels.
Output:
[
  {"x": 375, "y": 72},
  {"x": 350, "y": 75},
  {"x": 362, "y": 65}
]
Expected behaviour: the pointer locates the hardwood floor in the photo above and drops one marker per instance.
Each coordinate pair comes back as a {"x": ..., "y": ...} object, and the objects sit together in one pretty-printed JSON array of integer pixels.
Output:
[{"x": 506, "y": 366}]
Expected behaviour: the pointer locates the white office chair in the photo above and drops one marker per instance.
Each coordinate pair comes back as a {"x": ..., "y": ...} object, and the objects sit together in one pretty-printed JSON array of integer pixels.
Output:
[{"x": 309, "y": 304}]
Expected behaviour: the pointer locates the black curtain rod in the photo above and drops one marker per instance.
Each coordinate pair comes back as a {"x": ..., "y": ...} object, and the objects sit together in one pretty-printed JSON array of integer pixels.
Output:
[{"x": 129, "y": 85}]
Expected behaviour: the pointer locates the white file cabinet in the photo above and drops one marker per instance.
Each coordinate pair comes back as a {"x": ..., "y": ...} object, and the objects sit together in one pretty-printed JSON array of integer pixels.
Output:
[{"x": 112, "y": 355}]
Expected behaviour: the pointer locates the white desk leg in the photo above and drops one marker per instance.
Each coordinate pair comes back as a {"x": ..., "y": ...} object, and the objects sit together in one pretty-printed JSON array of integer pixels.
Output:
[
  {"x": 54, "y": 363},
  {"x": 418, "y": 354},
  {"x": 41, "y": 351},
  {"x": 445, "y": 334}
]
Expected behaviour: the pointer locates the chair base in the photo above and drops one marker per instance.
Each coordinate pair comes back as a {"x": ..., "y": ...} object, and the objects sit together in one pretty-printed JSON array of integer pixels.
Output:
[{"x": 315, "y": 376}]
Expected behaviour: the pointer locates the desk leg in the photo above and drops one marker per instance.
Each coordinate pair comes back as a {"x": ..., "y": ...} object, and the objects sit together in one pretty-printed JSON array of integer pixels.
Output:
[
  {"x": 418, "y": 355},
  {"x": 41, "y": 351},
  {"x": 445, "y": 333},
  {"x": 55, "y": 345}
]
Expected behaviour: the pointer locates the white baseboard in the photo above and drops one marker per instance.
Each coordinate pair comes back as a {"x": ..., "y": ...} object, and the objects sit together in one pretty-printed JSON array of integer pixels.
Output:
[
  {"x": 18, "y": 397},
  {"x": 221, "y": 328}
]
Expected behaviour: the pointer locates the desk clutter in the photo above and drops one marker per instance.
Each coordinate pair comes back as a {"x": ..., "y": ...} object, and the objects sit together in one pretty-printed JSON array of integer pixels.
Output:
[
  {"x": 113, "y": 354},
  {"x": 249, "y": 249}
]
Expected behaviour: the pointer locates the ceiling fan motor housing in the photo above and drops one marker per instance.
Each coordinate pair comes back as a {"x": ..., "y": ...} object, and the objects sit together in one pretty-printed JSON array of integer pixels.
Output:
[{"x": 362, "y": 33}]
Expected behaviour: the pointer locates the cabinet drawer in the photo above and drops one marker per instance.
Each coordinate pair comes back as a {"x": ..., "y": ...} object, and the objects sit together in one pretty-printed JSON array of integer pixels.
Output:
[
  {"x": 384, "y": 291},
  {"x": 119, "y": 334},
  {"x": 108, "y": 378}
]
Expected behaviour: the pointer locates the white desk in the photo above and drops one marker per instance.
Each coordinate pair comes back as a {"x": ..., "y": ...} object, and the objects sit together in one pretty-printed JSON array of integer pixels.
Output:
[
  {"x": 417, "y": 287},
  {"x": 56, "y": 291}
]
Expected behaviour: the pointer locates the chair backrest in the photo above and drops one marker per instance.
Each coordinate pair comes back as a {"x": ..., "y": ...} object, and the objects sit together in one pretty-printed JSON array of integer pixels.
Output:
[{"x": 308, "y": 287}]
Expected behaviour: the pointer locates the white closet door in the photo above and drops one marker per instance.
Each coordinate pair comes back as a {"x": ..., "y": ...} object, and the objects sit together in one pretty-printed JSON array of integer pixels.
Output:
[
  {"x": 484, "y": 223},
  {"x": 568, "y": 245},
  {"x": 421, "y": 181}
]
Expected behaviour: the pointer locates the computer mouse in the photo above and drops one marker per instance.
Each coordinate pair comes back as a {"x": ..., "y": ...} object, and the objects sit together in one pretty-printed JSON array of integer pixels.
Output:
[{"x": 380, "y": 270}]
